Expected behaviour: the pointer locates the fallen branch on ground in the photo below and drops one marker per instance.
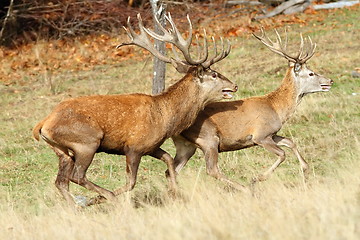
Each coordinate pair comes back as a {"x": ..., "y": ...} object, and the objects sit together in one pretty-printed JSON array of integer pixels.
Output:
[{"x": 288, "y": 7}]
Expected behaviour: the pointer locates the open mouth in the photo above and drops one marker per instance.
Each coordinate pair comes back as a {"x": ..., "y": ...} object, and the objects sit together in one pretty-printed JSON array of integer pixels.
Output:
[
  {"x": 227, "y": 93},
  {"x": 325, "y": 87}
]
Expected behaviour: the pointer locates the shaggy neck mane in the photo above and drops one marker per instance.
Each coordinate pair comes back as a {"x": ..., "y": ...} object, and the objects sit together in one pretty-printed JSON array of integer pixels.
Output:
[
  {"x": 180, "y": 104},
  {"x": 285, "y": 99}
]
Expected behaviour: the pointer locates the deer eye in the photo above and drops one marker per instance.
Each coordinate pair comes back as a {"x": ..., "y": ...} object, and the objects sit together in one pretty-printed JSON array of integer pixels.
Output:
[
  {"x": 311, "y": 74},
  {"x": 214, "y": 75}
]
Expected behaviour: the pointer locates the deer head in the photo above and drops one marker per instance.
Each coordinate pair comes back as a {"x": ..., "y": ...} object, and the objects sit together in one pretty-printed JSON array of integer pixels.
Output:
[
  {"x": 306, "y": 80},
  {"x": 213, "y": 84}
]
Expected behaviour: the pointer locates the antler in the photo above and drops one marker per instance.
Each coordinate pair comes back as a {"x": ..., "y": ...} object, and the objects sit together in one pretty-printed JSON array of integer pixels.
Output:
[
  {"x": 174, "y": 37},
  {"x": 280, "y": 48},
  {"x": 217, "y": 57},
  {"x": 142, "y": 40}
]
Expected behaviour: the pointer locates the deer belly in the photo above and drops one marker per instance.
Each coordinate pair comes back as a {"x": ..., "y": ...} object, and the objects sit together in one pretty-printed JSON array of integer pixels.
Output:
[
  {"x": 227, "y": 144},
  {"x": 111, "y": 149},
  {"x": 144, "y": 145}
]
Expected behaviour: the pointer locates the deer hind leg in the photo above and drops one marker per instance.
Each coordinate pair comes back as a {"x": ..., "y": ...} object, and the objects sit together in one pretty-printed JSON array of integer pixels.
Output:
[
  {"x": 282, "y": 141},
  {"x": 66, "y": 166},
  {"x": 269, "y": 144},
  {"x": 83, "y": 158},
  {"x": 132, "y": 166},
  {"x": 170, "y": 172},
  {"x": 184, "y": 151}
]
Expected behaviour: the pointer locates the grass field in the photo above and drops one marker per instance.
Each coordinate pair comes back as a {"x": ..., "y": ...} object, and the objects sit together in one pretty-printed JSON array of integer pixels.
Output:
[{"x": 325, "y": 127}]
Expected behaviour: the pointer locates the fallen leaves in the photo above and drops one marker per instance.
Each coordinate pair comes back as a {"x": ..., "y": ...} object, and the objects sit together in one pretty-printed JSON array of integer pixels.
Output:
[
  {"x": 34, "y": 59},
  {"x": 28, "y": 62}
]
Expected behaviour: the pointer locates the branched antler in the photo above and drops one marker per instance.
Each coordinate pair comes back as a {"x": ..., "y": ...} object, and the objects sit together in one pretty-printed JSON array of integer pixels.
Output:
[
  {"x": 142, "y": 40},
  {"x": 174, "y": 37},
  {"x": 280, "y": 48}
]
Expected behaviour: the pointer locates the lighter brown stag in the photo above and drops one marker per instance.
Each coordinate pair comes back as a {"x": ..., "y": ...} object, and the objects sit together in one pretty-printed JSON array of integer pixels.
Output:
[
  {"x": 135, "y": 124},
  {"x": 254, "y": 121}
]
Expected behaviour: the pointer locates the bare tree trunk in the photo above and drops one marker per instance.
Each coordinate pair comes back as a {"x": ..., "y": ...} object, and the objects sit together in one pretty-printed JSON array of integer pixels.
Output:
[
  {"x": 159, "y": 11},
  {"x": 3, "y": 34}
]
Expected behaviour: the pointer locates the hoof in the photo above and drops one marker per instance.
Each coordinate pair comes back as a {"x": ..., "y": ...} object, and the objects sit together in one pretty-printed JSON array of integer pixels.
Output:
[{"x": 96, "y": 200}]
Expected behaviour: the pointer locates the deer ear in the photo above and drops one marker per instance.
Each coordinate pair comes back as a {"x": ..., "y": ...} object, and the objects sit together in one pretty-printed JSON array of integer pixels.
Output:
[
  {"x": 297, "y": 68},
  {"x": 200, "y": 72},
  {"x": 180, "y": 67}
]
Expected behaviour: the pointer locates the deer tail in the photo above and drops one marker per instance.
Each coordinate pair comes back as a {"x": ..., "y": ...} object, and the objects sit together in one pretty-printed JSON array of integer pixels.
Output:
[{"x": 37, "y": 129}]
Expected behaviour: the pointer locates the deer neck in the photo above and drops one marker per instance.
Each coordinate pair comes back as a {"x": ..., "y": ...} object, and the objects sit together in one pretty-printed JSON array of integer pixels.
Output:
[
  {"x": 285, "y": 99},
  {"x": 180, "y": 105}
]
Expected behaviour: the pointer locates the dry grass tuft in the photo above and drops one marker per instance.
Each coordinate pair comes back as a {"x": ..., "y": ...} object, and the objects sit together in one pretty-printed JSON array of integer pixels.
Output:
[{"x": 328, "y": 209}]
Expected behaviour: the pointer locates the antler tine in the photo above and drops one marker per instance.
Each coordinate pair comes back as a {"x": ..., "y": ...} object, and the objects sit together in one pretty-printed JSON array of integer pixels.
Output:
[
  {"x": 142, "y": 40},
  {"x": 129, "y": 31},
  {"x": 280, "y": 44},
  {"x": 217, "y": 57},
  {"x": 176, "y": 55},
  {"x": 184, "y": 45},
  {"x": 278, "y": 39},
  {"x": 198, "y": 45},
  {"x": 210, "y": 61},
  {"x": 265, "y": 39},
  {"x": 279, "y": 47},
  {"x": 268, "y": 40},
  {"x": 174, "y": 37},
  {"x": 177, "y": 37},
  {"x": 286, "y": 40},
  {"x": 307, "y": 49},
  {"x": 166, "y": 37},
  {"x": 206, "y": 50},
  {"x": 187, "y": 43},
  {"x": 276, "y": 47},
  {"x": 190, "y": 30},
  {"x": 313, "y": 48},
  {"x": 310, "y": 52},
  {"x": 227, "y": 51},
  {"x": 215, "y": 46},
  {"x": 298, "y": 57}
]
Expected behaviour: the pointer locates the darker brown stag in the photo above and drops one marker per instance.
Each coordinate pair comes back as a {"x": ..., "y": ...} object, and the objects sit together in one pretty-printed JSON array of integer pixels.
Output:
[
  {"x": 135, "y": 124},
  {"x": 230, "y": 126}
]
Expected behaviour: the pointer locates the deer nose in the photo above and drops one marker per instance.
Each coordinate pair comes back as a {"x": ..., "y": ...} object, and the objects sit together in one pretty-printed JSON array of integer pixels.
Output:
[
  {"x": 331, "y": 81},
  {"x": 235, "y": 88}
]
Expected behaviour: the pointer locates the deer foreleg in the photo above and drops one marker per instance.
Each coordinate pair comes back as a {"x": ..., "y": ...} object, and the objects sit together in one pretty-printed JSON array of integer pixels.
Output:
[
  {"x": 170, "y": 172},
  {"x": 212, "y": 168},
  {"x": 282, "y": 141},
  {"x": 270, "y": 145},
  {"x": 132, "y": 166}
]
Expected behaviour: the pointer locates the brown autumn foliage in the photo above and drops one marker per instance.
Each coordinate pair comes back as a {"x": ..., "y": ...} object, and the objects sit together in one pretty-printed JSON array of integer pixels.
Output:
[
  {"x": 57, "y": 19},
  {"x": 24, "y": 62}
]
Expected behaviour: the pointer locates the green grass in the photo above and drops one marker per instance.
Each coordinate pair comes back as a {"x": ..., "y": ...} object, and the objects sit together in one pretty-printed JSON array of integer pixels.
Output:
[{"x": 325, "y": 127}]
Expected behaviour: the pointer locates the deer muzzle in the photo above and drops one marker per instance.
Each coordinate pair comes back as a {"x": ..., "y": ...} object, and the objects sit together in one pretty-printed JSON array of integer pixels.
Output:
[
  {"x": 227, "y": 92},
  {"x": 327, "y": 86}
]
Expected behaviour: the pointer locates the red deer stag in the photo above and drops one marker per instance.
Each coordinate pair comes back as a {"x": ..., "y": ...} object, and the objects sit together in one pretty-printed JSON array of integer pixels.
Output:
[
  {"x": 230, "y": 126},
  {"x": 135, "y": 124}
]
